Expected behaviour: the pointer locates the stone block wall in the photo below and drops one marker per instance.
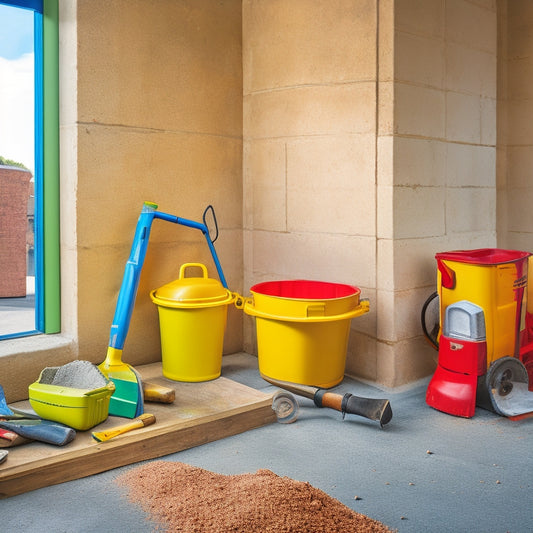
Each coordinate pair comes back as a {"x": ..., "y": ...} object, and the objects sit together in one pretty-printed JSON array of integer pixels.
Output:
[{"x": 342, "y": 140}]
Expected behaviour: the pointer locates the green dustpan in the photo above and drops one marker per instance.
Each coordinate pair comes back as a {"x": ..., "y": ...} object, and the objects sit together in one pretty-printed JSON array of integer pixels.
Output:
[{"x": 127, "y": 400}]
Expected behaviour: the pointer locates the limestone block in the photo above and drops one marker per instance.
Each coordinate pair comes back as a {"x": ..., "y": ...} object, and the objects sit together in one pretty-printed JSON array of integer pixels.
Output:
[
  {"x": 326, "y": 257},
  {"x": 419, "y": 111},
  {"x": 519, "y": 212},
  {"x": 419, "y": 162},
  {"x": 421, "y": 17},
  {"x": 265, "y": 169},
  {"x": 154, "y": 67},
  {"x": 471, "y": 25},
  {"x": 411, "y": 263},
  {"x": 470, "y": 209},
  {"x": 488, "y": 109},
  {"x": 385, "y": 212},
  {"x": 399, "y": 314},
  {"x": 68, "y": 184},
  {"x": 247, "y": 186},
  {"x": 463, "y": 118},
  {"x": 318, "y": 110},
  {"x": 520, "y": 163},
  {"x": 385, "y": 51},
  {"x": 330, "y": 185},
  {"x": 470, "y": 165},
  {"x": 471, "y": 71},
  {"x": 361, "y": 356},
  {"x": 385, "y": 278},
  {"x": 303, "y": 41},
  {"x": 386, "y": 312},
  {"x": 386, "y": 108},
  {"x": 68, "y": 51},
  {"x": 519, "y": 119},
  {"x": 520, "y": 74},
  {"x": 419, "y": 212},
  {"x": 519, "y": 45},
  {"x": 419, "y": 60},
  {"x": 385, "y": 160},
  {"x": 183, "y": 173},
  {"x": 404, "y": 362},
  {"x": 519, "y": 240}
]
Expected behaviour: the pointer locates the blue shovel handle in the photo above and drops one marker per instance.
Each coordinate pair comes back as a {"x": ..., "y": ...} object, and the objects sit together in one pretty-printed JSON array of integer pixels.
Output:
[{"x": 132, "y": 274}]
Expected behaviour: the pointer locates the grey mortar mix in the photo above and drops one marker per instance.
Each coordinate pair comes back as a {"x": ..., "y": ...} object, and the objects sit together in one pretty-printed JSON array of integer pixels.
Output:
[{"x": 77, "y": 375}]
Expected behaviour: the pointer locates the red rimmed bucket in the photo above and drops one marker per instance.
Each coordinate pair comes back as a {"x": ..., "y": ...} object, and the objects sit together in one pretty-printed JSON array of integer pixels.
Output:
[{"x": 303, "y": 328}]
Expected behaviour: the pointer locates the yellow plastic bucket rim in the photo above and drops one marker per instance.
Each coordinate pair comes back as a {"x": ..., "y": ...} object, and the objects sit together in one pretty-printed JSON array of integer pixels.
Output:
[
  {"x": 306, "y": 300},
  {"x": 68, "y": 392},
  {"x": 362, "y": 308},
  {"x": 356, "y": 292}
]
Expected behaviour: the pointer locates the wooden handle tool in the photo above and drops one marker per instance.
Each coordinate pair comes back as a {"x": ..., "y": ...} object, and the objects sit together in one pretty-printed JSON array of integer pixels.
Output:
[
  {"x": 371, "y": 408},
  {"x": 139, "y": 422},
  {"x": 158, "y": 393}
]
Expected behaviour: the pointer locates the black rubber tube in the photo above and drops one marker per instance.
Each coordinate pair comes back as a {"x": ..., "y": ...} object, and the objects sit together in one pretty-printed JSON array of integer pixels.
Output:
[{"x": 432, "y": 341}]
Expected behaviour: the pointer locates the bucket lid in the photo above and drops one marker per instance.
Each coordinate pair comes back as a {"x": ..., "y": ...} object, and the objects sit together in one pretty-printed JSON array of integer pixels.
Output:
[{"x": 191, "y": 291}]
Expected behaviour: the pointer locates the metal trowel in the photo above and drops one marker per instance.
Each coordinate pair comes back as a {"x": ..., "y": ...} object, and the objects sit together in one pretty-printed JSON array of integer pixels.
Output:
[{"x": 371, "y": 408}]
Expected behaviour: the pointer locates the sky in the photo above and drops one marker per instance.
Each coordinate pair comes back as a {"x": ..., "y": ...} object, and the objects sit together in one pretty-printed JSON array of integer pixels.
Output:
[{"x": 16, "y": 85}]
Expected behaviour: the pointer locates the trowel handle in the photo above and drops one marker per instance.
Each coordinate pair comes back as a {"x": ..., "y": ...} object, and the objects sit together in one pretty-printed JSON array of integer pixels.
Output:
[{"x": 371, "y": 408}]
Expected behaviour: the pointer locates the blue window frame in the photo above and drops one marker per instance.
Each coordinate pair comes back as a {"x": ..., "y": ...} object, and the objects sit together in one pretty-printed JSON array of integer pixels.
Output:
[{"x": 46, "y": 175}]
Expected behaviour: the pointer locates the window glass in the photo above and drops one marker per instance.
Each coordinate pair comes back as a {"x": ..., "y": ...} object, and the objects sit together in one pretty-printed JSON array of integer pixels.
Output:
[{"x": 17, "y": 171}]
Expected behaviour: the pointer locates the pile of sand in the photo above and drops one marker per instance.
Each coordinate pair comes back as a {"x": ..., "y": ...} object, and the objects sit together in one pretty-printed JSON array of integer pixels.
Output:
[{"x": 189, "y": 499}]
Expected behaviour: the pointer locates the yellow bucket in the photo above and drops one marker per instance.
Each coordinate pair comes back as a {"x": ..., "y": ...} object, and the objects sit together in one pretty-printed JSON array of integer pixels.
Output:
[
  {"x": 494, "y": 279},
  {"x": 192, "y": 321},
  {"x": 303, "y": 328}
]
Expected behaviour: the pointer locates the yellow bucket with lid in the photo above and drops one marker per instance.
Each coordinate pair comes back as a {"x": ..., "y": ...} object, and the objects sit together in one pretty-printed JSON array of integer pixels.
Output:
[{"x": 192, "y": 321}]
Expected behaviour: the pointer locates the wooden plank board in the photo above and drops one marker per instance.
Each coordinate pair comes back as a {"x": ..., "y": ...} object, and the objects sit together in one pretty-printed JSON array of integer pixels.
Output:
[{"x": 202, "y": 412}]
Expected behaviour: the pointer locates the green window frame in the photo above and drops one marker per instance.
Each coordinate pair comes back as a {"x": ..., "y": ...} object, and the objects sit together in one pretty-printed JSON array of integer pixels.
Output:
[{"x": 50, "y": 314}]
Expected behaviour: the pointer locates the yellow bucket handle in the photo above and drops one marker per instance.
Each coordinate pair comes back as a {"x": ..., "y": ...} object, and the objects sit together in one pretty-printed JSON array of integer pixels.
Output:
[
  {"x": 361, "y": 309},
  {"x": 187, "y": 265}
]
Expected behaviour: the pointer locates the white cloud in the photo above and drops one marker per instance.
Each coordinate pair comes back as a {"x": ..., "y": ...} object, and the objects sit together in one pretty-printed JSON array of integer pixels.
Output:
[{"x": 16, "y": 109}]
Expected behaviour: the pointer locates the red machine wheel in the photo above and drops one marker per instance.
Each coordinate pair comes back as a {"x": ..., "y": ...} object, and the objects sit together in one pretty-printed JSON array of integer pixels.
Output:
[{"x": 504, "y": 388}]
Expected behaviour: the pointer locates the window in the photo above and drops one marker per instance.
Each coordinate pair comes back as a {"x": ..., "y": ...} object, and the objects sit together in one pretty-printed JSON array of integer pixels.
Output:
[{"x": 42, "y": 219}]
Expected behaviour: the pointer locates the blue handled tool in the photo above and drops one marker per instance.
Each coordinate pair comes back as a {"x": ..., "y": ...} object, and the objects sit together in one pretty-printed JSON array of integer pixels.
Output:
[
  {"x": 127, "y": 400},
  {"x": 32, "y": 427}
]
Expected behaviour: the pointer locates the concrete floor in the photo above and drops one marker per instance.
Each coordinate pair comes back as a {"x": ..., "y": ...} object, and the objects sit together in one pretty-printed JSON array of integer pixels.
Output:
[{"x": 478, "y": 478}]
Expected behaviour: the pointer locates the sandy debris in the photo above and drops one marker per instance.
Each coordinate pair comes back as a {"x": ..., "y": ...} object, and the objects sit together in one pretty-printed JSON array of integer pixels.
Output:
[{"x": 189, "y": 499}]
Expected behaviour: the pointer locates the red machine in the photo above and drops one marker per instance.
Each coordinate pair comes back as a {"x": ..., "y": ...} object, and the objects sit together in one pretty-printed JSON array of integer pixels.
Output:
[{"x": 485, "y": 334}]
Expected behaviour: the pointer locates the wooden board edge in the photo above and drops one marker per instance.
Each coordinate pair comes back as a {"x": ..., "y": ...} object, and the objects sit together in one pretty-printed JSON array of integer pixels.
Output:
[{"x": 131, "y": 449}]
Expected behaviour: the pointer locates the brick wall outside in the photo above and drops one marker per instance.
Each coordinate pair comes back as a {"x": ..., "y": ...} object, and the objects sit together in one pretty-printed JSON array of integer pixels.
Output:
[{"x": 14, "y": 193}]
